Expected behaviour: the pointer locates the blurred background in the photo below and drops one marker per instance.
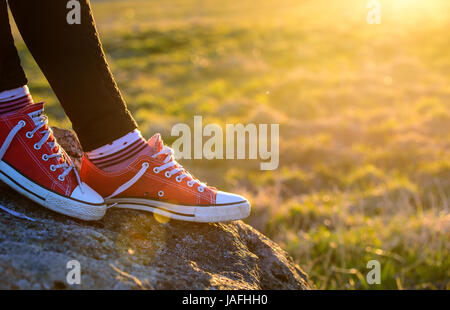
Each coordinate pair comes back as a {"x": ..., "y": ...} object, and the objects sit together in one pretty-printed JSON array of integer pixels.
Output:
[{"x": 364, "y": 114}]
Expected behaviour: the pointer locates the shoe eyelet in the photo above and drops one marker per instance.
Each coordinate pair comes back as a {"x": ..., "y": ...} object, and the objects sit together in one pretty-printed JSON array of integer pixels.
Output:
[
  {"x": 160, "y": 193},
  {"x": 200, "y": 189},
  {"x": 29, "y": 135},
  {"x": 145, "y": 165},
  {"x": 178, "y": 179},
  {"x": 167, "y": 174},
  {"x": 22, "y": 123},
  {"x": 155, "y": 170},
  {"x": 37, "y": 147},
  {"x": 61, "y": 178},
  {"x": 45, "y": 157},
  {"x": 52, "y": 168},
  {"x": 190, "y": 184}
]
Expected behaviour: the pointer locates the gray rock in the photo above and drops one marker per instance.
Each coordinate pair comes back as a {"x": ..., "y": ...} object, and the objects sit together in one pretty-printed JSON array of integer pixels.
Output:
[{"x": 134, "y": 250}]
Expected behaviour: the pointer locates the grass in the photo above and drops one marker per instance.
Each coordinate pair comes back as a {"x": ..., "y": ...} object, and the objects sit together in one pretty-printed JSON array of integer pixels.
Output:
[{"x": 363, "y": 109}]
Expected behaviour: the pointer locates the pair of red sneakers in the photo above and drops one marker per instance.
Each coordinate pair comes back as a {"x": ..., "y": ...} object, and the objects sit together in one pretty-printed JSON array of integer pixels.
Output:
[{"x": 33, "y": 163}]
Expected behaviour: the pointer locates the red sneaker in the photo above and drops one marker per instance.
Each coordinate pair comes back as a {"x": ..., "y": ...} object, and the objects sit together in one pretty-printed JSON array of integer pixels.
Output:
[
  {"x": 155, "y": 182},
  {"x": 32, "y": 163}
]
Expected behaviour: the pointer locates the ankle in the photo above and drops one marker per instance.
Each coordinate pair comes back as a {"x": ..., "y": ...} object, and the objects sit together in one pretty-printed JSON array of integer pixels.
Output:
[
  {"x": 118, "y": 154},
  {"x": 14, "y": 99}
]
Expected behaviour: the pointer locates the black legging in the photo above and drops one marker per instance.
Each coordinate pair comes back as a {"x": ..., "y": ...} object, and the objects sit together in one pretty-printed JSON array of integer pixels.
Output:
[{"x": 72, "y": 59}]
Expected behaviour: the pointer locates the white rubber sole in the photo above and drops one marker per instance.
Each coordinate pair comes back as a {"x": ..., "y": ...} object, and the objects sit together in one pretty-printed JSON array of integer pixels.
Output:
[
  {"x": 48, "y": 199},
  {"x": 203, "y": 214}
]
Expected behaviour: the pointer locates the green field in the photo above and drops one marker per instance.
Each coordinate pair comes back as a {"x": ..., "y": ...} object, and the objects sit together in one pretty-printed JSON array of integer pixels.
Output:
[{"x": 364, "y": 114}]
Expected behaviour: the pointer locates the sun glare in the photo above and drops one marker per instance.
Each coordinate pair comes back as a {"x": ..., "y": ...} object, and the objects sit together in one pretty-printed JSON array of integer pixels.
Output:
[{"x": 407, "y": 7}]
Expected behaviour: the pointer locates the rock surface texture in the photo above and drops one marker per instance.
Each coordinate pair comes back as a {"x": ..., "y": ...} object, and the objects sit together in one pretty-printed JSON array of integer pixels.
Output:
[{"x": 134, "y": 250}]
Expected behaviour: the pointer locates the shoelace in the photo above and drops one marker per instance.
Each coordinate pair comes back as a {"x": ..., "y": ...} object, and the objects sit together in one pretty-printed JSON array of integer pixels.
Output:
[
  {"x": 41, "y": 122},
  {"x": 169, "y": 161}
]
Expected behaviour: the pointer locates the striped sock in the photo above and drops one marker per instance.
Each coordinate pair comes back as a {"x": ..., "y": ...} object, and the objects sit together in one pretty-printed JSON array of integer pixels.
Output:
[
  {"x": 14, "y": 100},
  {"x": 117, "y": 155}
]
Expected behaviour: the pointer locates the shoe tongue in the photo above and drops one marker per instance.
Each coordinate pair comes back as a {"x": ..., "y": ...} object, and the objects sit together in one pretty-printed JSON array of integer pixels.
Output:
[
  {"x": 34, "y": 111},
  {"x": 156, "y": 143}
]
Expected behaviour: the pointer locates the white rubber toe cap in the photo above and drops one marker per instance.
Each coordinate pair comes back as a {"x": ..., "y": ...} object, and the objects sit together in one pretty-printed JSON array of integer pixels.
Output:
[
  {"x": 227, "y": 198},
  {"x": 87, "y": 195}
]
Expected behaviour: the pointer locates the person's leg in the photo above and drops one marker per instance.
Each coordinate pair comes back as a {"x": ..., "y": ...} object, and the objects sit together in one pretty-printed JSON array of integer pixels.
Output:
[
  {"x": 14, "y": 93},
  {"x": 73, "y": 61},
  {"x": 11, "y": 73}
]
